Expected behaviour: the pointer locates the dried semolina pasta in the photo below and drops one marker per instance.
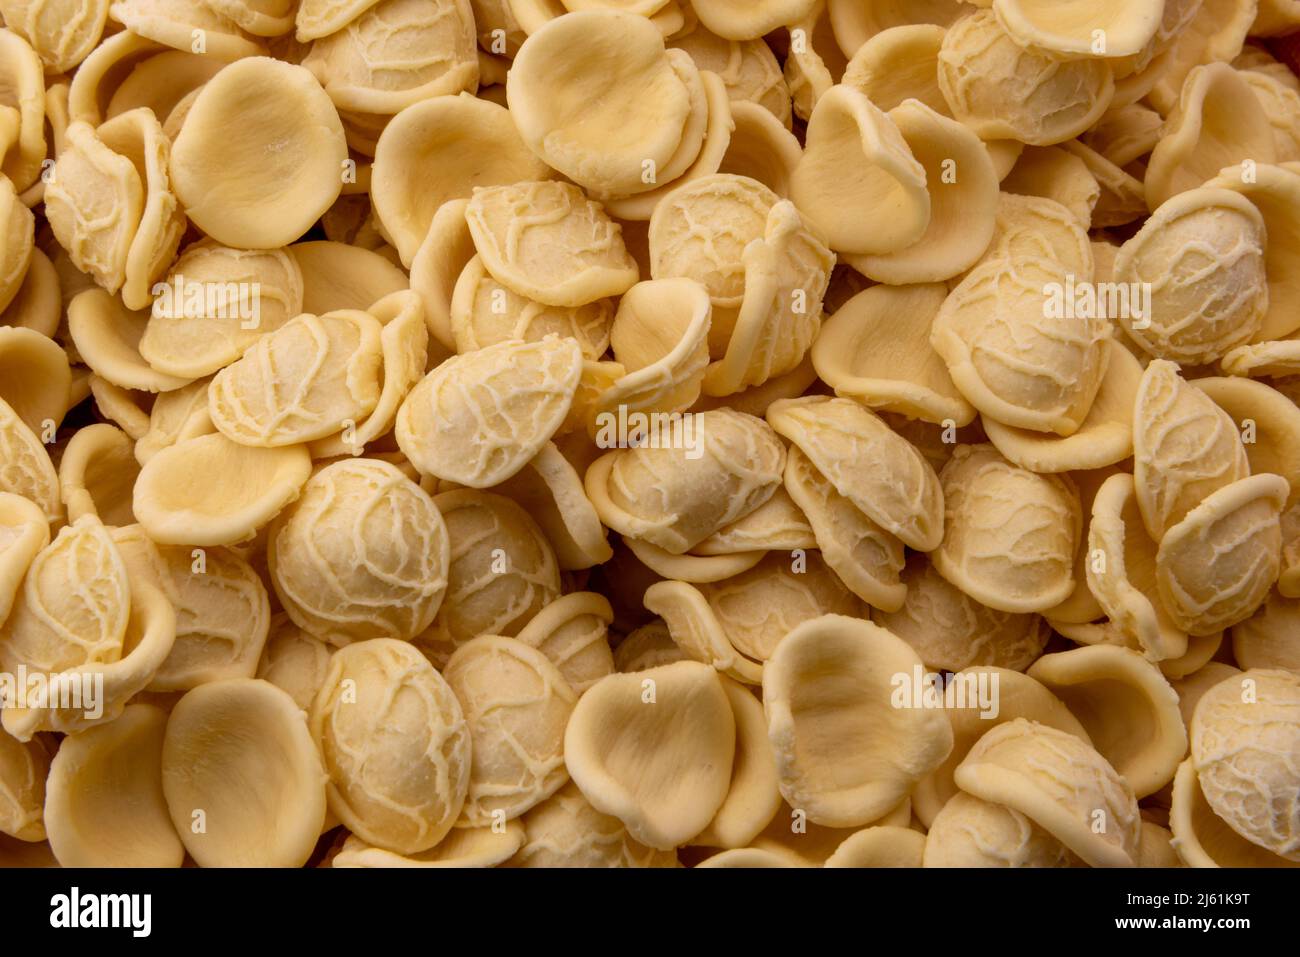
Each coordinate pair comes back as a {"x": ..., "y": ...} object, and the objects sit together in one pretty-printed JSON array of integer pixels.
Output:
[{"x": 650, "y": 433}]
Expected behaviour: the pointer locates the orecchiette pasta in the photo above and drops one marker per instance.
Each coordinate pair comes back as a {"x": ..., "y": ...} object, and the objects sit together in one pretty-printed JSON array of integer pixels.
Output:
[{"x": 650, "y": 433}]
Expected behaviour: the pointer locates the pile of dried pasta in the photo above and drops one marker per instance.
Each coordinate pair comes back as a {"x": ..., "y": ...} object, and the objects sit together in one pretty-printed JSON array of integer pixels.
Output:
[{"x": 721, "y": 433}]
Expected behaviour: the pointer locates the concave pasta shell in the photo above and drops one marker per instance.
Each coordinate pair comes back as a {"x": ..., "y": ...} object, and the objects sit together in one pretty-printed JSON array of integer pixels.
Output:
[
  {"x": 27, "y": 471},
  {"x": 1281, "y": 103},
  {"x": 701, "y": 116},
  {"x": 1125, "y": 134},
  {"x": 319, "y": 18},
  {"x": 125, "y": 408},
  {"x": 97, "y": 474},
  {"x": 805, "y": 843},
  {"x": 828, "y": 680},
  {"x": 692, "y": 725},
  {"x": 139, "y": 137},
  {"x": 263, "y": 18},
  {"x": 211, "y": 491},
  {"x": 1054, "y": 173},
  {"x": 1204, "y": 838},
  {"x": 897, "y": 64},
  {"x": 776, "y": 524},
  {"x": 1070, "y": 28},
  {"x": 404, "y": 345},
  {"x": 225, "y": 739},
  {"x": 175, "y": 22},
  {"x": 748, "y": 68},
  {"x": 696, "y": 630},
  {"x": 962, "y": 206},
  {"x": 294, "y": 660},
  {"x": 107, "y": 67},
  {"x": 25, "y": 766},
  {"x": 1122, "y": 197},
  {"x": 339, "y": 276},
  {"x": 1268, "y": 417},
  {"x": 566, "y": 831},
  {"x": 753, "y": 796},
  {"x": 502, "y": 571},
  {"x": 61, "y": 34},
  {"x": 35, "y": 377},
  {"x": 711, "y": 122},
  {"x": 866, "y": 558},
  {"x": 94, "y": 205},
  {"x": 794, "y": 587},
  {"x": 259, "y": 129},
  {"x": 880, "y": 204},
  {"x": 251, "y": 292},
  {"x": 18, "y": 230},
  {"x": 74, "y": 604},
  {"x": 692, "y": 568},
  {"x": 700, "y": 231},
  {"x": 647, "y": 647},
  {"x": 1082, "y": 605},
  {"x": 24, "y": 77},
  {"x": 880, "y": 847},
  {"x": 740, "y": 20},
  {"x": 145, "y": 644},
  {"x": 761, "y": 148},
  {"x": 660, "y": 336},
  {"x": 551, "y": 490},
  {"x": 1127, "y": 706},
  {"x": 572, "y": 632},
  {"x": 856, "y": 22},
  {"x": 876, "y": 349},
  {"x": 468, "y": 142},
  {"x": 1218, "y": 122},
  {"x": 105, "y": 804},
  {"x": 107, "y": 337},
  {"x": 175, "y": 416},
  {"x": 1121, "y": 572},
  {"x": 484, "y": 312},
  {"x": 573, "y": 112},
  {"x": 443, "y": 256},
  {"x": 399, "y": 765},
  {"x": 1269, "y": 638},
  {"x": 463, "y": 847},
  {"x": 1035, "y": 227},
  {"x": 37, "y": 304}
]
